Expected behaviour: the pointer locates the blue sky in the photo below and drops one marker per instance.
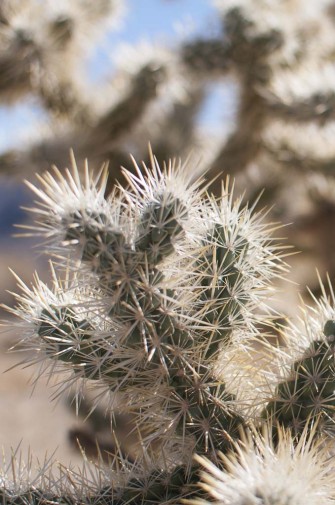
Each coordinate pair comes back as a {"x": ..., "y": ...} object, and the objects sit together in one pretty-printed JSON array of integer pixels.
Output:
[{"x": 157, "y": 18}]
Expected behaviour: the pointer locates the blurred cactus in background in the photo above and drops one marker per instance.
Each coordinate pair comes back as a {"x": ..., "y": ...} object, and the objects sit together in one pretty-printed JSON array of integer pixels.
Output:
[{"x": 165, "y": 321}]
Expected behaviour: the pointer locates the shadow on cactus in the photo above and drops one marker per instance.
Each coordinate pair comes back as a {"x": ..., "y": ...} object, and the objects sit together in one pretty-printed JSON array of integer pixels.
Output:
[{"x": 152, "y": 286}]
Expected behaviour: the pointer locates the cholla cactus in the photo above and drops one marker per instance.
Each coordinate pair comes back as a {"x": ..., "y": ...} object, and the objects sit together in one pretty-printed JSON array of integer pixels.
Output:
[
  {"x": 150, "y": 286},
  {"x": 154, "y": 288}
]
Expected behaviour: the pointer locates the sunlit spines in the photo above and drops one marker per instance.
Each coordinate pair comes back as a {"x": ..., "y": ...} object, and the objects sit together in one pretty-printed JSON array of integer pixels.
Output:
[
  {"x": 306, "y": 388},
  {"x": 203, "y": 409},
  {"x": 236, "y": 266},
  {"x": 258, "y": 470},
  {"x": 56, "y": 324},
  {"x": 75, "y": 211},
  {"x": 60, "y": 197}
]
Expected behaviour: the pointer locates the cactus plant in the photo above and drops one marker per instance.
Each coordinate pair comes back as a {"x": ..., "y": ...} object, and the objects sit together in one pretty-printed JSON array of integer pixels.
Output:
[
  {"x": 150, "y": 286},
  {"x": 159, "y": 299}
]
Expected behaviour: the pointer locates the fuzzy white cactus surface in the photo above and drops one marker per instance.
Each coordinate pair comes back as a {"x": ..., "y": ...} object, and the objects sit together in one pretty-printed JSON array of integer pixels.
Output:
[{"x": 260, "y": 472}]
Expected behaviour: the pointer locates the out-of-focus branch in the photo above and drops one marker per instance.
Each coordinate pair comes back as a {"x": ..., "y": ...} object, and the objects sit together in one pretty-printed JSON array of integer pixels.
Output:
[
  {"x": 319, "y": 107},
  {"x": 118, "y": 120},
  {"x": 206, "y": 56}
]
